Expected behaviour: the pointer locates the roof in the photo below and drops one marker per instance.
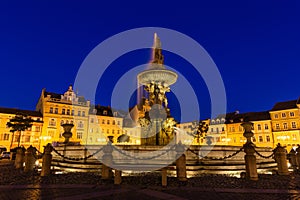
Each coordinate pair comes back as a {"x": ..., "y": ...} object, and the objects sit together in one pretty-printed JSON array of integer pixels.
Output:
[
  {"x": 30, "y": 113},
  {"x": 52, "y": 95},
  {"x": 285, "y": 105},
  {"x": 246, "y": 117}
]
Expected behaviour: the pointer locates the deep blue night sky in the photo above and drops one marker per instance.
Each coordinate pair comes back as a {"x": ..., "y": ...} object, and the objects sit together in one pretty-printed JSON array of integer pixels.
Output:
[{"x": 255, "y": 45}]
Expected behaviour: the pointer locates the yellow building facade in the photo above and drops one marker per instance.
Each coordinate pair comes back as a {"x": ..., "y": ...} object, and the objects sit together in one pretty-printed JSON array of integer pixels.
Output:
[{"x": 29, "y": 137}]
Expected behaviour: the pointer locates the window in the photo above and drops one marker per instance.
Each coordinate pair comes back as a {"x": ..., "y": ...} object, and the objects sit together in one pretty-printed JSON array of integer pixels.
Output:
[
  {"x": 233, "y": 129},
  {"x": 276, "y": 116},
  {"x": 107, "y": 131},
  {"x": 79, "y": 112},
  {"x": 285, "y": 126},
  {"x": 223, "y": 129},
  {"x": 294, "y": 137},
  {"x": 63, "y": 111},
  {"x": 294, "y": 125},
  {"x": 51, "y": 133},
  {"x": 103, "y": 121},
  {"x": 52, "y": 122},
  {"x": 118, "y": 131},
  {"x": 277, "y": 126},
  {"x": 79, "y": 135},
  {"x": 37, "y": 128},
  {"x": 260, "y": 138},
  {"x": 80, "y": 124},
  {"x": 113, "y": 131},
  {"x": 211, "y": 130},
  {"x": 253, "y": 139},
  {"x": 240, "y": 128},
  {"x": 283, "y": 115},
  {"x": 258, "y": 127},
  {"x": 217, "y": 129},
  {"x": 113, "y": 122},
  {"x": 62, "y": 122},
  {"x": 83, "y": 113},
  {"x": 292, "y": 114},
  {"x": 118, "y": 122},
  {"x": 56, "y": 110},
  {"x": 108, "y": 122},
  {"x": 68, "y": 112},
  {"x": 51, "y": 110},
  {"x": 104, "y": 112},
  {"x": 4, "y": 136},
  {"x": 268, "y": 138},
  {"x": 27, "y": 138},
  {"x": 91, "y": 130},
  {"x": 92, "y": 120},
  {"x": 266, "y": 127},
  {"x": 72, "y": 113}
]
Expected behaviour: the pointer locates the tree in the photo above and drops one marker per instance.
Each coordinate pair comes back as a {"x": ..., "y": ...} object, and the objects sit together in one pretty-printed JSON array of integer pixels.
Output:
[{"x": 19, "y": 123}]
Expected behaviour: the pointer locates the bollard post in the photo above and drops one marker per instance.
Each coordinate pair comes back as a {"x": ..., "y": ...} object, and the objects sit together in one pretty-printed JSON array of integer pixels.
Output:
[
  {"x": 298, "y": 157},
  {"x": 292, "y": 159},
  {"x": 280, "y": 158},
  {"x": 164, "y": 177},
  {"x": 20, "y": 158},
  {"x": 30, "y": 159},
  {"x": 250, "y": 159},
  {"x": 47, "y": 158},
  {"x": 118, "y": 177},
  {"x": 107, "y": 161},
  {"x": 180, "y": 162}
]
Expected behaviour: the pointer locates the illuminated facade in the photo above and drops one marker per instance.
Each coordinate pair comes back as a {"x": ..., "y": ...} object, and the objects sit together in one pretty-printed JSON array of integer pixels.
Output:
[
  {"x": 29, "y": 137},
  {"x": 285, "y": 118}
]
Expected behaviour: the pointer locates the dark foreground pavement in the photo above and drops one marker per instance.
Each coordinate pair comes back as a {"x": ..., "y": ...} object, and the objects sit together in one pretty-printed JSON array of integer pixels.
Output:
[
  {"x": 15, "y": 185},
  {"x": 75, "y": 191}
]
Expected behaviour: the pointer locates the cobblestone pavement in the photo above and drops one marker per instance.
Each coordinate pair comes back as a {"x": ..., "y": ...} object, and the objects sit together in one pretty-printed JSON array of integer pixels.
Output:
[
  {"x": 15, "y": 185},
  {"x": 73, "y": 192}
]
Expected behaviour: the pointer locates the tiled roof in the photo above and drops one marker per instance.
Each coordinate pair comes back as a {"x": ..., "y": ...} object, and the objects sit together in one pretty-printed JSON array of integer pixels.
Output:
[
  {"x": 250, "y": 116},
  {"x": 52, "y": 95},
  {"x": 285, "y": 105},
  {"x": 30, "y": 113}
]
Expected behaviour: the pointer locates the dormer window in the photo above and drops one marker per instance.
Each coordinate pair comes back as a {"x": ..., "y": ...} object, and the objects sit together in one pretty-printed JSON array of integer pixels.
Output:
[{"x": 104, "y": 112}]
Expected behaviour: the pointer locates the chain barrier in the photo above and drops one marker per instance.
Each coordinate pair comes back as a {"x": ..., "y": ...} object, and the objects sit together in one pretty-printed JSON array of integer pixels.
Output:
[
  {"x": 77, "y": 159},
  {"x": 38, "y": 156},
  {"x": 214, "y": 158},
  {"x": 148, "y": 158},
  {"x": 266, "y": 157}
]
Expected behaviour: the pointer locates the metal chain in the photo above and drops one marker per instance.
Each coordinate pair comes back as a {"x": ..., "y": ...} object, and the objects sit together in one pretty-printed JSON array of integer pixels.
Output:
[
  {"x": 39, "y": 156},
  {"x": 213, "y": 158},
  {"x": 266, "y": 157},
  {"x": 77, "y": 159},
  {"x": 148, "y": 158}
]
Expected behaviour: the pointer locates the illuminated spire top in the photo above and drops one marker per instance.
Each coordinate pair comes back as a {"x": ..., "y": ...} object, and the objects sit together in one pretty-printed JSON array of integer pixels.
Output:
[{"x": 157, "y": 57}]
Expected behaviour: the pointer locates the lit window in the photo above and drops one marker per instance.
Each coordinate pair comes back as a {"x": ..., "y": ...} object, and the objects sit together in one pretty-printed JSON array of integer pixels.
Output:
[
  {"x": 283, "y": 115},
  {"x": 56, "y": 110},
  {"x": 27, "y": 138},
  {"x": 285, "y": 126},
  {"x": 51, "y": 110},
  {"x": 79, "y": 135},
  {"x": 80, "y": 124},
  {"x": 277, "y": 126},
  {"x": 294, "y": 125},
  {"x": 266, "y": 127},
  {"x": 104, "y": 112},
  {"x": 292, "y": 114},
  {"x": 52, "y": 122},
  {"x": 258, "y": 127}
]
